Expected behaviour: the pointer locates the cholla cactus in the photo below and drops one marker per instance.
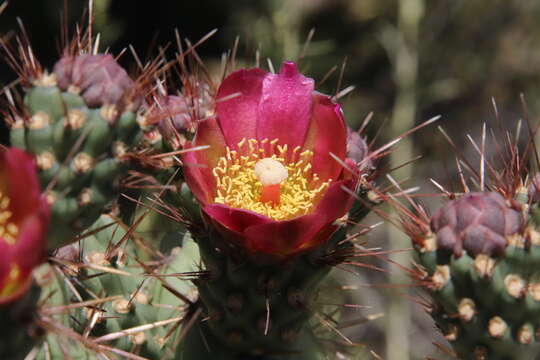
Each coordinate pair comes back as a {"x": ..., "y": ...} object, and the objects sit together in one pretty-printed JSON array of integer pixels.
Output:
[
  {"x": 479, "y": 259},
  {"x": 80, "y": 123}
]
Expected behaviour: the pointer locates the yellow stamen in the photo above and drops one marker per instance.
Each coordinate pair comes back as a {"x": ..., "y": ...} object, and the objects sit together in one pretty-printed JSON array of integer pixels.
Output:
[
  {"x": 239, "y": 181},
  {"x": 8, "y": 230}
]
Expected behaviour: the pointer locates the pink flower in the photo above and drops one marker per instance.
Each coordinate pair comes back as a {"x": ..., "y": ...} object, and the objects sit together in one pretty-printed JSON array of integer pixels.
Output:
[
  {"x": 24, "y": 216},
  {"x": 268, "y": 181}
]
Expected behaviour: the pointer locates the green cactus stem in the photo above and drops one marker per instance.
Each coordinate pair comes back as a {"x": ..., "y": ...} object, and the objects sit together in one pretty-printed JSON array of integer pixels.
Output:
[
  {"x": 257, "y": 308},
  {"x": 481, "y": 262},
  {"x": 20, "y": 331},
  {"x": 80, "y": 123},
  {"x": 128, "y": 307}
]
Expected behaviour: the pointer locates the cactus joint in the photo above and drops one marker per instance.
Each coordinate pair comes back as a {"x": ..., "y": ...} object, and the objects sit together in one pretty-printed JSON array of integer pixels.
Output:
[
  {"x": 119, "y": 149},
  {"x": 74, "y": 89},
  {"x": 138, "y": 338},
  {"x": 51, "y": 197},
  {"x": 18, "y": 123},
  {"x": 516, "y": 240},
  {"x": 533, "y": 236}
]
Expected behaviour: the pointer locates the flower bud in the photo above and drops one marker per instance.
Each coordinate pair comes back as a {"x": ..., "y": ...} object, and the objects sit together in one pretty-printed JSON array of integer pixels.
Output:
[
  {"x": 357, "y": 150},
  {"x": 98, "y": 78},
  {"x": 477, "y": 223},
  {"x": 173, "y": 119}
]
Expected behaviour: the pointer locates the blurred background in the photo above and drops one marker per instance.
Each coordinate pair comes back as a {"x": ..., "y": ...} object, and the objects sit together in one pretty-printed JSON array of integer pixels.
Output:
[{"x": 408, "y": 60}]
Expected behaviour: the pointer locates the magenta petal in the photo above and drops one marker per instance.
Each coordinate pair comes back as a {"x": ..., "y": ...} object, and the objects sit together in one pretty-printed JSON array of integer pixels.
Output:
[
  {"x": 199, "y": 164},
  {"x": 5, "y": 260},
  {"x": 30, "y": 249},
  {"x": 282, "y": 238},
  {"x": 234, "y": 219},
  {"x": 22, "y": 184},
  {"x": 327, "y": 134},
  {"x": 209, "y": 134},
  {"x": 202, "y": 186},
  {"x": 285, "y": 107},
  {"x": 336, "y": 202},
  {"x": 238, "y": 115}
]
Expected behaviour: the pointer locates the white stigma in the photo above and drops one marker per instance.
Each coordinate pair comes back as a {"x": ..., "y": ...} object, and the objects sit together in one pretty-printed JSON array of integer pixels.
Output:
[{"x": 270, "y": 171}]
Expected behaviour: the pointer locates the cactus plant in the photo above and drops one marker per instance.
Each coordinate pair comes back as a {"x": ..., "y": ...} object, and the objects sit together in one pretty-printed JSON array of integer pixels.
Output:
[
  {"x": 118, "y": 298},
  {"x": 478, "y": 260},
  {"x": 80, "y": 123},
  {"x": 272, "y": 199}
]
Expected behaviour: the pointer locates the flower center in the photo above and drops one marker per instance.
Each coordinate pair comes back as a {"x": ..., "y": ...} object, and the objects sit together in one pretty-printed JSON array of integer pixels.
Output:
[
  {"x": 8, "y": 230},
  {"x": 269, "y": 179}
]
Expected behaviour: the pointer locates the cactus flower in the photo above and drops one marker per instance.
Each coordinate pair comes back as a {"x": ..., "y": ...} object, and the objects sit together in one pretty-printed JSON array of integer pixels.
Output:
[
  {"x": 24, "y": 216},
  {"x": 268, "y": 181}
]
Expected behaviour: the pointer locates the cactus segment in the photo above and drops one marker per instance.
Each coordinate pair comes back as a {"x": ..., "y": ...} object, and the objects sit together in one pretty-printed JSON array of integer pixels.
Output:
[
  {"x": 255, "y": 307},
  {"x": 480, "y": 262},
  {"x": 80, "y": 153},
  {"x": 132, "y": 299}
]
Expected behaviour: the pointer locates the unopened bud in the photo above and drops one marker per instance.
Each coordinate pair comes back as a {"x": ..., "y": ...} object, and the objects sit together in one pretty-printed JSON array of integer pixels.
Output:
[{"x": 98, "y": 78}]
